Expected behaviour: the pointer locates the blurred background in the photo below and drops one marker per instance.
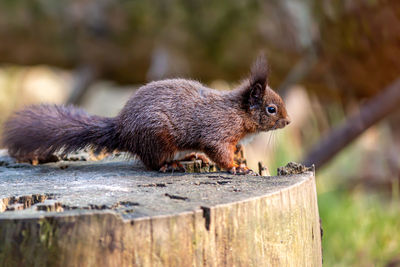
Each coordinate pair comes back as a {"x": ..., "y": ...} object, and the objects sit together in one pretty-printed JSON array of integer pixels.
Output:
[{"x": 336, "y": 63}]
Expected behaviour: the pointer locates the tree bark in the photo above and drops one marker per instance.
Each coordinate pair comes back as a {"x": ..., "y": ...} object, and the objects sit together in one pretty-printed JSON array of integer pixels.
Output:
[{"x": 115, "y": 214}]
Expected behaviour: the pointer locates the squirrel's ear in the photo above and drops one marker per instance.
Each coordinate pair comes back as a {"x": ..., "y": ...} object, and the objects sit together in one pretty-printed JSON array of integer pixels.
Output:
[{"x": 258, "y": 81}]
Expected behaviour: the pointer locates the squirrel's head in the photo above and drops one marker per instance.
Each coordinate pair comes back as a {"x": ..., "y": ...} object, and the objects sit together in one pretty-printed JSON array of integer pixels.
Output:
[{"x": 265, "y": 106}]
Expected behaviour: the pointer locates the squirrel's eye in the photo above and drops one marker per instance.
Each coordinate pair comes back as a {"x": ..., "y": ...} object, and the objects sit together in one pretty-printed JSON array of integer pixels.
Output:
[{"x": 271, "y": 109}]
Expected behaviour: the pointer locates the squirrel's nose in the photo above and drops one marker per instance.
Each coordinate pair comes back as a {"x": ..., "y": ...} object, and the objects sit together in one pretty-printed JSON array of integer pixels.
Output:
[{"x": 287, "y": 120}]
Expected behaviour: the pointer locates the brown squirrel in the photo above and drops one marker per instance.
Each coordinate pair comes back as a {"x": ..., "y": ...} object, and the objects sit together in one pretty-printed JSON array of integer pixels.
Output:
[{"x": 160, "y": 119}]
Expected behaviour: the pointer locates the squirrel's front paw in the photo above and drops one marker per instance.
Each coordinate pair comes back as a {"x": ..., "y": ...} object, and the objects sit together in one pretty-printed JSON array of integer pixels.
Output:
[
  {"x": 174, "y": 166},
  {"x": 242, "y": 170}
]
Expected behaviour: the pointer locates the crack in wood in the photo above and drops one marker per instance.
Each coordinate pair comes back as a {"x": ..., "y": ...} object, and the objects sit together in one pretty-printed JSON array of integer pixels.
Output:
[
  {"x": 219, "y": 177},
  {"x": 176, "y": 197},
  {"x": 207, "y": 217},
  {"x": 153, "y": 185}
]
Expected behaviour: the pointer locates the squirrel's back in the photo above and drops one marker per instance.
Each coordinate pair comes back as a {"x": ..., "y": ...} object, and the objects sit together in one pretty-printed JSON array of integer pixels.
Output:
[{"x": 184, "y": 108}]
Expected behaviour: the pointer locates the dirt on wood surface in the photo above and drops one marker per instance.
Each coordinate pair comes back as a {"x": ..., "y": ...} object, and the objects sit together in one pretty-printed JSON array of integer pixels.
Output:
[{"x": 294, "y": 168}]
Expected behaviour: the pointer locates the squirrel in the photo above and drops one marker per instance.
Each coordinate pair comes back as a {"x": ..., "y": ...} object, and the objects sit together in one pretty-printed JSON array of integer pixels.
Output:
[{"x": 160, "y": 119}]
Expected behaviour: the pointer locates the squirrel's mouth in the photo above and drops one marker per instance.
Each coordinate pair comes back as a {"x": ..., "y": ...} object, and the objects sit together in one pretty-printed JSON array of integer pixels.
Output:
[{"x": 281, "y": 123}]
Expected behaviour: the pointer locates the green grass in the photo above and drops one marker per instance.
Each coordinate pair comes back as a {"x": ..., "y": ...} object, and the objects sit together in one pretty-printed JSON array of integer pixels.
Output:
[{"x": 360, "y": 228}]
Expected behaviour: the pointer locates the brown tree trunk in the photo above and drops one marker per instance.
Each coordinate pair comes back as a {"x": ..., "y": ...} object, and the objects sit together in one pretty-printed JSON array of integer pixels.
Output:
[{"x": 372, "y": 112}]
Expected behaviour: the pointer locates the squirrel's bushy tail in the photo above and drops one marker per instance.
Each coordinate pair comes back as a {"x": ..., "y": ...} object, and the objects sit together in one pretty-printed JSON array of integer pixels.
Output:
[{"x": 41, "y": 130}]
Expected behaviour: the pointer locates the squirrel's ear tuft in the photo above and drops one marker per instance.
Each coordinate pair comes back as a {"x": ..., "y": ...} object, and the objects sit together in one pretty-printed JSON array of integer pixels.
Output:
[
  {"x": 259, "y": 72},
  {"x": 258, "y": 81}
]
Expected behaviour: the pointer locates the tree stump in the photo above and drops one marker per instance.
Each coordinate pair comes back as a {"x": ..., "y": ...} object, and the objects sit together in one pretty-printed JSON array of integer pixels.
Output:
[{"x": 115, "y": 213}]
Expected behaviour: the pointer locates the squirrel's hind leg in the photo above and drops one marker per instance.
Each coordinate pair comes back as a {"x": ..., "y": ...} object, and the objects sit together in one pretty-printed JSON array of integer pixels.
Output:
[
  {"x": 176, "y": 165},
  {"x": 196, "y": 156},
  {"x": 155, "y": 150},
  {"x": 36, "y": 159}
]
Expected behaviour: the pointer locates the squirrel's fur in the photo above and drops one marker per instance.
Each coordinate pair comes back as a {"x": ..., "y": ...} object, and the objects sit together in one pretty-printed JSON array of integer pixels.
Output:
[{"x": 160, "y": 119}]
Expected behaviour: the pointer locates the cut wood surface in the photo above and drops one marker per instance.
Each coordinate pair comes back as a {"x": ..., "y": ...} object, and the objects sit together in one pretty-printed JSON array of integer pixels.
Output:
[{"x": 115, "y": 213}]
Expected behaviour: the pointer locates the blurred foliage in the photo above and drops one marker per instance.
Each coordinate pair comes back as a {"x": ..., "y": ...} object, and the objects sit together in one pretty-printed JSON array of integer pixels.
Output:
[
  {"x": 119, "y": 37},
  {"x": 359, "y": 45},
  {"x": 208, "y": 39},
  {"x": 356, "y": 42}
]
